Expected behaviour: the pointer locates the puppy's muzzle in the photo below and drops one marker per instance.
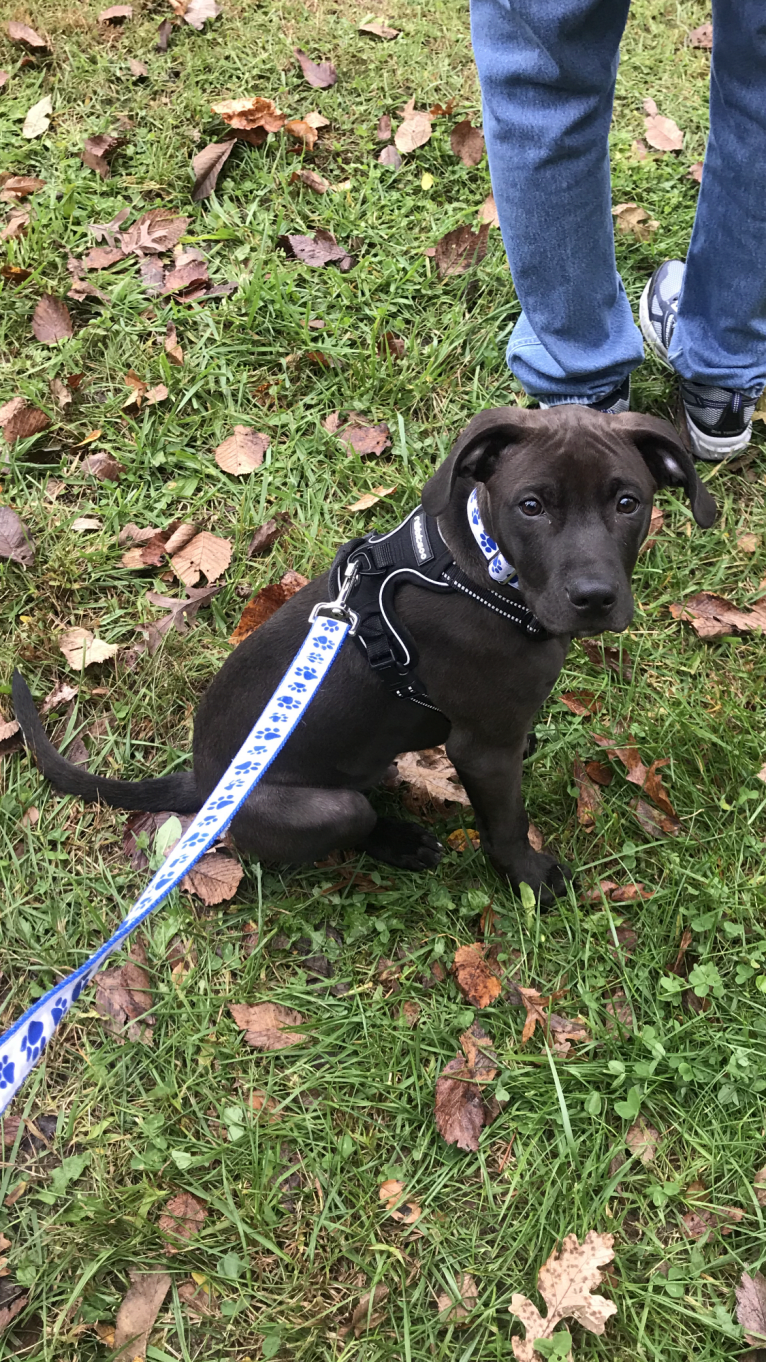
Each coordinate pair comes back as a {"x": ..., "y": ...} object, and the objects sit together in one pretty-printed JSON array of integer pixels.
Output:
[{"x": 592, "y": 597}]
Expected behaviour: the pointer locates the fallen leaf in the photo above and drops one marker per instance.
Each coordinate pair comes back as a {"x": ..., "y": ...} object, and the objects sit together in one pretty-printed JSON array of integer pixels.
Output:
[
  {"x": 751, "y": 1308},
  {"x": 399, "y": 1206},
  {"x": 242, "y": 452},
  {"x": 265, "y": 603},
  {"x": 316, "y": 120},
  {"x": 537, "y": 1015},
  {"x": 653, "y": 822},
  {"x": 138, "y": 69},
  {"x": 267, "y": 1025},
  {"x": 662, "y": 133},
  {"x": 172, "y": 349},
  {"x": 16, "y": 226},
  {"x": 748, "y": 543},
  {"x": 207, "y": 166},
  {"x": 695, "y": 171},
  {"x": 699, "y": 1223},
  {"x": 138, "y": 1312},
  {"x": 600, "y": 772},
  {"x": 108, "y": 231},
  {"x": 206, "y": 553},
  {"x": 246, "y": 114},
  {"x": 455, "y": 1307},
  {"x": 156, "y": 394},
  {"x": 123, "y": 995},
  {"x": 196, "y": 12},
  {"x": 182, "y": 1218},
  {"x": 411, "y": 1011},
  {"x": 642, "y": 1141},
  {"x": 467, "y": 142},
  {"x": 321, "y": 75},
  {"x": 321, "y": 249},
  {"x": 461, "y": 250},
  {"x": 459, "y": 1110},
  {"x": 8, "y": 729},
  {"x": 581, "y": 702},
  {"x": 187, "y": 275},
  {"x": 154, "y": 232},
  {"x": 21, "y": 33},
  {"x": 16, "y": 187},
  {"x": 759, "y": 1186},
  {"x": 9, "y": 1312},
  {"x": 115, "y": 14},
  {"x": 98, "y": 151},
  {"x": 371, "y": 498},
  {"x": 38, "y": 119},
  {"x": 268, "y": 533},
  {"x": 639, "y": 149},
  {"x": 391, "y": 344},
  {"x": 16, "y": 543},
  {"x": 414, "y": 131},
  {"x": 81, "y": 649},
  {"x": 163, "y": 35},
  {"x": 588, "y": 797},
  {"x": 4, "y": 78},
  {"x": 85, "y": 522},
  {"x": 263, "y": 1105},
  {"x": 61, "y": 694},
  {"x": 78, "y": 753},
  {"x": 464, "y": 839},
  {"x": 369, "y": 1312},
  {"x": 198, "y": 1298},
  {"x": 702, "y": 36},
  {"x": 713, "y": 617},
  {"x": 103, "y": 466},
  {"x": 101, "y": 257},
  {"x": 51, "y": 321},
  {"x": 474, "y": 975},
  {"x": 214, "y": 879},
  {"x": 565, "y": 1283},
  {"x": 389, "y": 156},
  {"x": 357, "y": 432},
  {"x": 181, "y": 611},
  {"x": 311, "y": 179},
  {"x": 488, "y": 212},
  {"x": 634, "y": 220},
  {"x": 656, "y": 526},
  {"x": 610, "y": 658},
  {"x": 647, "y": 778},
  {"x": 375, "y": 28},
  {"x": 431, "y": 781}
]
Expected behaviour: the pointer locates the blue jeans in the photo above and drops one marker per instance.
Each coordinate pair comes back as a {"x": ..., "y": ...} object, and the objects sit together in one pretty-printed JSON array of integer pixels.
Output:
[{"x": 547, "y": 70}]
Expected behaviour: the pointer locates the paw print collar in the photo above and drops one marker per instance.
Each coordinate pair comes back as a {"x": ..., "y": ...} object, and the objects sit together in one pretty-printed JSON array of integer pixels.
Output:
[{"x": 500, "y": 570}]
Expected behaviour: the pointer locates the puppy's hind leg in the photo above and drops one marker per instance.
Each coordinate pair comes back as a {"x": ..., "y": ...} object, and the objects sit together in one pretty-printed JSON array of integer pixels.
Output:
[{"x": 300, "y": 824}]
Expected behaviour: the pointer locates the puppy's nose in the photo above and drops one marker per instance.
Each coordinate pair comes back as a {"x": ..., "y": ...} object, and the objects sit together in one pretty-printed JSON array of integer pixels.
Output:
[{"x": 591, "y": 596}]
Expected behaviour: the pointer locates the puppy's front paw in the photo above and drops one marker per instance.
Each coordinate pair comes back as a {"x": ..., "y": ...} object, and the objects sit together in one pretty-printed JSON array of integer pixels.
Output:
[{"x": 546, "y": 877}]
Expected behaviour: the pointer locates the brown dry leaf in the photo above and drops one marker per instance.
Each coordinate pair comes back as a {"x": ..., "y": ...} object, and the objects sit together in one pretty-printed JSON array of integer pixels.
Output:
[
  {"x": 661, "y": 133},
  {"x": 695, "y": 171},
  {"x": 455, "y": 1307},
  {"x": 103, "y": 466},
  {"x": 376, "y": 28},
  {"x": 467, "y": 142},
  {"x": 4, "y": 77},
  {"x": 321, "y": 75},
  {"x": 634, "y": 221},
  {"x": 214, "y": 879},
  {"x": 16, "y": 187},
  {"x": 181, "y": 610},
  {"x": 391, "y": 344},
  {"x": 748, "y": 543},
  {"x": 475, "y": 976},
  {"x": 600, "y": 772},
  {"x": 321, "y": 249},
  {"x": 311, "y": 179},
  {"x": 115, "y": 14},
  {"x": 399, "y": 1206},
  {"x": 581, "y": 702},
  {"x": 459, "y": 1110},
  {"x": 172, "y": 348},
  {"x": 588, "y": 797},
  {"x": 9, "y": 1312},
  {"x": 602, "y": 655},
  {"x": 21, "y": 33},
  {"x": 242, "y": 452},
  {"x": 759, "y": 1186},
  {"x": 410, "y": 1011},
  {"x": 656, "y": 526},
  {"x": 267, "y": 1025},
  {"x": 713, "y": 617},
  {"x": 488, "y": 212},
  {"x": 138, "y": 1312},
  {"x": 263, "y": 1105},
  {"x": 751, "y": 1308},
  {"x": 38, "y": 119},
  {"x": 101, "y": 257},
  {"x": 182, "y": 1218},
  {"x": 196, "y": 12},
  {"x": 431, "y": 779},
  {"x": 642, "y": 1141},
  {"x": 51, "y": 321},
  {"x": 138, "y": 69},
  {"x": 156, "y": 394},
  {"x": 85, "y": 522},
  {"x": 16, "y": 543},
  {"x": 8, "y": 729},
  {"x": 207, "y": 166},
  {"x": 198, "y": 1298},
  {"x": 653, "y": 822},
  {"x": 647, "y": 778},
  {"x": 265, "y": 602},
  {"x": 702, "y": 36},
  {"x": 98, "y": 152},
  {"x": 699, "y": 1223},
  {"x": 316, "y": 120},
  {"x": 61, "y": 694},
  {"x": 389, "y": 156},
  {"x": 356, "y": 431},
  {"x": 206, "y": 553},
  {"x": 16, "y": 226},
  {"x": 565, "y": 1283},
  {"x": 369, "y": 1313},
  {"x": 268, "y": 533},
  {"x": 414, "y": 131},
  {"x": 123, "y": 995},
  {"x": 461, "y": 250},
  {"x": 81, "y": 649},
  {"x": 247, "y": 114},
  {"x": 154, "y": 232},
  {"x": 371, "y": 498},
  {"x": 189, "y": 273},
  {"x": 561, "y": 1028}
]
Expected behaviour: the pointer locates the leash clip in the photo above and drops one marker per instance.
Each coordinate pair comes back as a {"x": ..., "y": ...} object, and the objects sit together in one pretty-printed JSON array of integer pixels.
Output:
[{"x": 338, "y": 609}]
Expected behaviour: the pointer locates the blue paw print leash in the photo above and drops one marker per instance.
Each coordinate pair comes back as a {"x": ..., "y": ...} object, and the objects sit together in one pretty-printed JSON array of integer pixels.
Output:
[{"x": 331, "y": 622}]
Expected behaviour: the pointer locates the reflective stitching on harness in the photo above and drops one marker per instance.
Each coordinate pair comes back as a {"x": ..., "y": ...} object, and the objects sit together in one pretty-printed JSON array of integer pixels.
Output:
[{"x": 409, "y": 572}]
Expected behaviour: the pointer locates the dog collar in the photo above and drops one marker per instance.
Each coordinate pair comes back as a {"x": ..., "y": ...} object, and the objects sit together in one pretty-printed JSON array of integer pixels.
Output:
[{"x": 500, "y": 570}]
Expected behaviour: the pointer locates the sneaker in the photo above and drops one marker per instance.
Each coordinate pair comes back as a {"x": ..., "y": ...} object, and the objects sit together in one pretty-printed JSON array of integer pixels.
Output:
[
  {"x": 612, "y": 404},
  {"x": 719, "y": 419}
]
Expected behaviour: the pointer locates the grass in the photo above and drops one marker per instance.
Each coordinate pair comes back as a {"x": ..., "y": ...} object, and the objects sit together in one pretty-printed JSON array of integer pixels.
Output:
[{"x": 354, "y": 1103}]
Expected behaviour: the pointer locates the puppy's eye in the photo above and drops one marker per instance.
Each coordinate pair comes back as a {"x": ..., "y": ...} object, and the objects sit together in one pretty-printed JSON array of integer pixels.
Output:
[
  {"x": 531, "y": 506},
  {"x": 627, "y": 505}
]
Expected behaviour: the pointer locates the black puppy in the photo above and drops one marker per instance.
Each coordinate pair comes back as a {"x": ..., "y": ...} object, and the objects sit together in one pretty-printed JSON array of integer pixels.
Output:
[{"x": 566, "y": 496}]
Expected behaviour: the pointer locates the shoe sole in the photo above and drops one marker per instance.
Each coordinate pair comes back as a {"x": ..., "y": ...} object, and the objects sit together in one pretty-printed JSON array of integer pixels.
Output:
[{"x": 710, "y": 448}]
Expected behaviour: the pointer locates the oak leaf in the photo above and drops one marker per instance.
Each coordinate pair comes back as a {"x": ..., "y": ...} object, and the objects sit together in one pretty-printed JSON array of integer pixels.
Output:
[
  {"x": 16, "y": 543},
  {"x": 51, "y": 321},
  {"x": 138, "y": 69},
  {"x": 206, "y": 553},
  {"x": 566, "y": 1282},
  {"x": 759, "y": 1186},
  {"x": 713, "y": 616},
  {"x": 474, "y": 975},
  {"x": 16, "y": 226},
  {"x": 242, "y": 452},
  {"x": 81, "y": 649},
  {"x": 430, "y": 779},
  {"x": 101, "y": 257},
  {"x": 319, "y": 74},
  {"x": 138, "y": 1312},
  {"x": 653, "y": 822},
  {"x": 182, "y": 1218},
  {"x": 214, "y": 879},
  {"x": 267, "y": 1025},
  {"x": 154, "y": 232},
  {"x": 467, "y": 142}
]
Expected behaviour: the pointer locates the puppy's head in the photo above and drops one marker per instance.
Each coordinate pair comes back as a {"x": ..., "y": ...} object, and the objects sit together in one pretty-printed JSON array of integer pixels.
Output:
[{"x": 567, "y": 495}]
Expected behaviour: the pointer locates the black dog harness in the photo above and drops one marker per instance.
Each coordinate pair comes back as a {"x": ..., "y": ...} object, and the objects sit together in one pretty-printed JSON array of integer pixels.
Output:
[{"x": 414, "y": 554}]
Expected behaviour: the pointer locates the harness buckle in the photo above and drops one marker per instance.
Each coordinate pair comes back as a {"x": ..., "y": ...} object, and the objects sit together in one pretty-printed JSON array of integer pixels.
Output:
[{"x": 338, "y": 609}]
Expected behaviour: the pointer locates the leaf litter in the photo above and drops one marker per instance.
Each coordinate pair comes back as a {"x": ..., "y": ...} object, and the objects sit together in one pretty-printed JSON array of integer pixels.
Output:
[
  {"x": 16, "y": 543},
  {"x": 82, "y": 649},
  {"x": 182, "y": 1218},
  {"x": 242, "y": 452},
  {"x": 138, "y": 1312},
  {"x": 475, "y": 976},
  {"x": 267, "y": 1025},
  {"x": 461, "y": 250},
  {"x": 317, "y": 251},
  {"x": 51, "y": 321},
  {"x": 181, "y": 610},
  {"x": 124, "y": 995},
  {"x": 566, "y": 1282},
  {"x": 321, "y": 75},
  {"x": 455, "y": 1306},
  {"x": 354, "y": 430},
  {"x": 414, "y": 130},
  {"x": 661, "y": 133},
  {"x": 714, "y": 617},
  {"x": 467, "y": 142},
  {"x": 399, "y": 1206},
  {"x": 460, "y": 1112},
  {"x": 431, "y": 783},
  {"x": 265, "y": 603}
]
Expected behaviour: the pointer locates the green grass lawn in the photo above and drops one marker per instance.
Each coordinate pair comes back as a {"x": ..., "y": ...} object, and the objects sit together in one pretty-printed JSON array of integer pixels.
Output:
[{"x": 295, "y": 1233}]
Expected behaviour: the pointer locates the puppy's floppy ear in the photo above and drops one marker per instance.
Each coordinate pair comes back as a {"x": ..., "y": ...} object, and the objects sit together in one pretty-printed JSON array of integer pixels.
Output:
[
  {"x": 669, "y": 462},
  {"x": 475, "y": 452}
]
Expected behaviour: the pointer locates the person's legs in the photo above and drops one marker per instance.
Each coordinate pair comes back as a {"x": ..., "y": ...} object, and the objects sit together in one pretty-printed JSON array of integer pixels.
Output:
[
  {"x": 547, "y": 70},
  {"x": 708, "y": 318}
]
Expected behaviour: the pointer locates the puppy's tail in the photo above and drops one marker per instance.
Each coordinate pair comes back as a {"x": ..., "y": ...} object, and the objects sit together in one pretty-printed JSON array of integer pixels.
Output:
[{"x": 177, "y": 792}]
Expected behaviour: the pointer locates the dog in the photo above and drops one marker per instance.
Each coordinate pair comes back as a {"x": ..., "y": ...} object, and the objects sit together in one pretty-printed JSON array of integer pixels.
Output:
[{"x": 563, "y": 497}]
